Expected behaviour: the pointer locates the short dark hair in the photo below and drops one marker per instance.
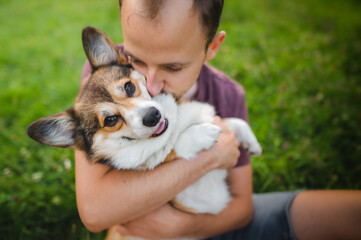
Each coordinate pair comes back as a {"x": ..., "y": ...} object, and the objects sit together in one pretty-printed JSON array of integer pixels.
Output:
[{"x": 209, "y": 14}]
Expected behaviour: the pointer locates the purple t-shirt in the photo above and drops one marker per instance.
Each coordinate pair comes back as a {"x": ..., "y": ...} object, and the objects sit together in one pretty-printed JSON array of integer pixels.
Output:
[
  {"x": 215, "y": 88},
  {"x": 227, "y": 97}
]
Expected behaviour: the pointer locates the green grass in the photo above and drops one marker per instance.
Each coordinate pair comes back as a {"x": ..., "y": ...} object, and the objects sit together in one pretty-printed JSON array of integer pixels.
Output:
[{"x": 299, "y": 61}]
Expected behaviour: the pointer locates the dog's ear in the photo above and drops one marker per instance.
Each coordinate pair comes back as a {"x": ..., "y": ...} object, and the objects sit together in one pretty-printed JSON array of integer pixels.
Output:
[
  {"x": 56, "y": 130},
  {"x": 100, "y": 49}
]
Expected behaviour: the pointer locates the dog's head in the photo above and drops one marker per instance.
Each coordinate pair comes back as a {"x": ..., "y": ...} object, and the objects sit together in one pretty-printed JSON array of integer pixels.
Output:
[{"x": 113, "y": 108}]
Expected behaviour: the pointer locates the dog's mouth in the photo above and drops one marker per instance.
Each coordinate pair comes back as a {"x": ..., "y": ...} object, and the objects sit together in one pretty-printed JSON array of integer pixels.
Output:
[{"x": 161, "y": 129}]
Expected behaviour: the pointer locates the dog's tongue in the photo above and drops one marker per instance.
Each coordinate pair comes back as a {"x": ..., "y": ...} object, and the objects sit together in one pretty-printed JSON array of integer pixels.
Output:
[{"x": 160, "y": 128}]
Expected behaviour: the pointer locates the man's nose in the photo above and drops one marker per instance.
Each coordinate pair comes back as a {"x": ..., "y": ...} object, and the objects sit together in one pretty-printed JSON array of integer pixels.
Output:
[{"x": 154, "y": 83}]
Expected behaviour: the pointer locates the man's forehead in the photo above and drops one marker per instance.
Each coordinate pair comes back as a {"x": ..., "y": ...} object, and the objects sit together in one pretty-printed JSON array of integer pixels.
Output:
[
  {"x": 165, "y": 48},
  {"x": 173, "y": 16},
  {"x": 153, "y": 9}
]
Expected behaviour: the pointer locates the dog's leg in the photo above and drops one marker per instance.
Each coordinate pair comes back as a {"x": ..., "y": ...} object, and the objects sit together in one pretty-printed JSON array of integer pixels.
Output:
[
  {"x": 244, "y": 135},
  {"x": 196, "y": 138}
]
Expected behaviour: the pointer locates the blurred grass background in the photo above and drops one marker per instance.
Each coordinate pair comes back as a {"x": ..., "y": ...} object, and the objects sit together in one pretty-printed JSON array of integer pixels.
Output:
[{"x": 299, "y": 61}]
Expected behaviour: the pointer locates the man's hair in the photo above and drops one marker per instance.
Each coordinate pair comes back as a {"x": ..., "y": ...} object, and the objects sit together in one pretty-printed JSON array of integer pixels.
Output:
[{"x": 209, "y": 14}]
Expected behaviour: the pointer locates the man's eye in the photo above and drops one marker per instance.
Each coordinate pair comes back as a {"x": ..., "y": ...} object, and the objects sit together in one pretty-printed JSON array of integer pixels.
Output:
[
  {"x": 111, "y": 121},
  {"x": 129, "y": 88},
  {"x": 173, "y": 69}
]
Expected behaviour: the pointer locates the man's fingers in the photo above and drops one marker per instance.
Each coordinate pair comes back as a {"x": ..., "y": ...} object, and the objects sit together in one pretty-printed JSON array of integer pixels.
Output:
[
  {"x": 217, "y": 120},
  {"x": 219, "y": 123}
]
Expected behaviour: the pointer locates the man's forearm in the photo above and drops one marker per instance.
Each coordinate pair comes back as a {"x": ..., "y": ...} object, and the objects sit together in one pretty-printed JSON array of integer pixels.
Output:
[
  {"x": 108, "y": 197},
  {"x": 238, "y": 214}
]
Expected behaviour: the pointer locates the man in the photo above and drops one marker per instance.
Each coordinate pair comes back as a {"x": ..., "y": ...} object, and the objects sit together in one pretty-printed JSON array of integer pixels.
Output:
[{"x": 168, "y": 42}]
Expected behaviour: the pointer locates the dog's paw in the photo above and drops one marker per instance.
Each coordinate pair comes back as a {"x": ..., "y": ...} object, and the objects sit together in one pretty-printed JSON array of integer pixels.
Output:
[
  {"x": 245, "y": 135},
  {"x": 197, "y": 138},
  {"x": 206, "y": 135},
  {"x": 252, "y": 146}
]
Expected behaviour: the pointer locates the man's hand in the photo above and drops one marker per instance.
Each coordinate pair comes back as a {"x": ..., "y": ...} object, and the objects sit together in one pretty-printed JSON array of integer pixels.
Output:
[
  {"x": 164, "y": 222},
  {"x": 225, "y": 151}
]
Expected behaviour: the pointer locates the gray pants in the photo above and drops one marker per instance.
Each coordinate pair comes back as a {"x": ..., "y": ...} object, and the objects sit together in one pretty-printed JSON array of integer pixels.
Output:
[{"x": 271, "y": 219}]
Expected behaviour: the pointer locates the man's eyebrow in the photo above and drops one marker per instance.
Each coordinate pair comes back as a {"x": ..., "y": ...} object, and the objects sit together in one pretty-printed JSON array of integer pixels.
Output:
[
  {"x": 174, "y": 65},
  {"x": 130, "y": 55},
  {"x": 167, "y": 65}
]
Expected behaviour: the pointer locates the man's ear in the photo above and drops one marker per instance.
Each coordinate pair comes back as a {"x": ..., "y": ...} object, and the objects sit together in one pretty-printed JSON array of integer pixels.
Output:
[
  {"x": 100, "y": 49},
  {"x": 56, "y": 130},
  {"x": 214, "y": 45}
]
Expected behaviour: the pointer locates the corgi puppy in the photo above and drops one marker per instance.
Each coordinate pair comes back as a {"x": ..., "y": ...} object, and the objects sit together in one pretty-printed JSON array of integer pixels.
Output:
[{"x": 116, "y": 122}]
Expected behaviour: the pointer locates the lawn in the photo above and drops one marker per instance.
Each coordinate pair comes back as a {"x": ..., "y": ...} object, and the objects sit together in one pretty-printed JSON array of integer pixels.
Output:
[{"x": 299, "y": 61}]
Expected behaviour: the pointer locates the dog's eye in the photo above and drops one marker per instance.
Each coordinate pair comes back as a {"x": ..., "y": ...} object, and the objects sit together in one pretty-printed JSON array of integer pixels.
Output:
[
  {"x": 129, "y": 88},
  {"x": 110, "y": 121}
]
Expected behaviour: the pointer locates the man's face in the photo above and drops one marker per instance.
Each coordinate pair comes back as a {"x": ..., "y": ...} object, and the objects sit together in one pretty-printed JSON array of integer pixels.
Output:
[{"x": 169, "y": 50}]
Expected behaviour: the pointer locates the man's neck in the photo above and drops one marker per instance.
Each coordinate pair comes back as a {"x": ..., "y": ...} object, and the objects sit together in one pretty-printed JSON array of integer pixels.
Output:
[{"x": 190, "y": 94}]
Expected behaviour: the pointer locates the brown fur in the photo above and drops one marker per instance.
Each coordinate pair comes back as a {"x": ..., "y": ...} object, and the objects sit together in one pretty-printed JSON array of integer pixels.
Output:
[
  {"x": 181, "y": 207},
  {"x": 171, "y": 156}
]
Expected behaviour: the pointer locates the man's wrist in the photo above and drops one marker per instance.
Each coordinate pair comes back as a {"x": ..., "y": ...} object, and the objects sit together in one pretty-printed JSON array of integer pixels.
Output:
[{"x": 208, "y": 159}]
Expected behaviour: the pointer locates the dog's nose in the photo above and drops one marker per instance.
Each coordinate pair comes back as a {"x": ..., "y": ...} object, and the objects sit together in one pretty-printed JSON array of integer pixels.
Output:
[{"x": 152, "y": 117}]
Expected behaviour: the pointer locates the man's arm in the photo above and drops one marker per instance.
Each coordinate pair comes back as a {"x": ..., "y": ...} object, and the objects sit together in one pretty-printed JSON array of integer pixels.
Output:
[
  {"x": 167, "y": 222},
  {"x": 108, "y": 197}
]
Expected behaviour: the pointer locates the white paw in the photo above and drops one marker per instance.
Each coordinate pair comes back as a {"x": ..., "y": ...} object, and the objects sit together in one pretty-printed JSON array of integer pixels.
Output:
[
  {"x": 244, "y": 135},
  {"x": 252, "y": 146},
  {"x": 206, "y": 135},
  {"x": 196, "y": 138}
]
